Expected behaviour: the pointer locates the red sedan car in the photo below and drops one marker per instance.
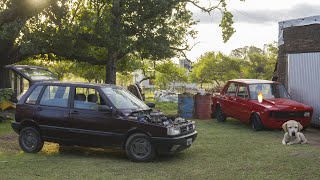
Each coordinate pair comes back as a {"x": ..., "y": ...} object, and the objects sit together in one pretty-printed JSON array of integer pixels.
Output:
[{"x": 261, "y": 103}]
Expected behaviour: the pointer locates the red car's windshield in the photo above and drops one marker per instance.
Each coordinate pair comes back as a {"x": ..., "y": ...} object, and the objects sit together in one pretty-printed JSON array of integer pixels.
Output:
[{"x": 269, "y": 91}]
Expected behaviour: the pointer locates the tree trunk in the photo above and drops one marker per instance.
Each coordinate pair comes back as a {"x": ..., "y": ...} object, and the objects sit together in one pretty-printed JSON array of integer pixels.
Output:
[
  {"x": 4, "y": 77},
  {"x": 111, "y": 69},
  {"x": 5, "y": 50},
  {"x": 115, "y": 45}
]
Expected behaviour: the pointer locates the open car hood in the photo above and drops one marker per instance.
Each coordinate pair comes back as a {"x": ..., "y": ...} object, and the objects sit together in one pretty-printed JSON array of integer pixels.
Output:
[{"x": 33, "y": 73}]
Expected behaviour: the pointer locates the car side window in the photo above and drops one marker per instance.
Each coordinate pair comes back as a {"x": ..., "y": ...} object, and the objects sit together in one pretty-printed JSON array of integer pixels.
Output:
[
  {"x": 231, "y": 91},
  {"x": 57, "y": 96},
  {"x": 87, "y": 98},
  {"x": 243, "y": 92},
  {"x": 32, "y": 99}
]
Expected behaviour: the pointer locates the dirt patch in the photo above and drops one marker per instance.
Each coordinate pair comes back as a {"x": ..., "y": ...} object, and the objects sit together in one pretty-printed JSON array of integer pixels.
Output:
[
  {"x": 7, "y": 115},
  {"x": 313, "y": 136},
  {"x": 9, "y": 143}
]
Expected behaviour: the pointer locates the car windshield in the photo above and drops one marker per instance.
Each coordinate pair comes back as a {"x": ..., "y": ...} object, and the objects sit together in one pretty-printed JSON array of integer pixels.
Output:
[
  {"x": 269, "y": 91},
  {"x": 123, "y": 99},
  {"x": 38, "y": 73}
]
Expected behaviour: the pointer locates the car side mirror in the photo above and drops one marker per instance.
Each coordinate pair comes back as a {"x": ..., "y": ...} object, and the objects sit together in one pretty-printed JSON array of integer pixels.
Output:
[
  {"x": 104, "y": 108},
  {"x": 151, "y": 105}
]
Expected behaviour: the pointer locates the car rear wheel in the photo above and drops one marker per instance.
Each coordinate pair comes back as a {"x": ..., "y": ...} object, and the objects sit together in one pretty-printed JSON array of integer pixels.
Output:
[
  {"x": 219, "y": 115},
  {"x": 139, "y": 148},
  {"x": 256, "y": 123},
  {"x": 30, "y": 140}
]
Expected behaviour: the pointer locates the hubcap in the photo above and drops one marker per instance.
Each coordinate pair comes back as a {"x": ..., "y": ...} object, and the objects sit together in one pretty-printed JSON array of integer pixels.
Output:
[
  {"x": 140, "y": 147},
  {"x": 29, "y": 139}
]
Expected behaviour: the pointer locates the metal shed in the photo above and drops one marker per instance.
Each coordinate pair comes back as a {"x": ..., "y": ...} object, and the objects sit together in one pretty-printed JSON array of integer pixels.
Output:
[{"x": 299, "y": 61}]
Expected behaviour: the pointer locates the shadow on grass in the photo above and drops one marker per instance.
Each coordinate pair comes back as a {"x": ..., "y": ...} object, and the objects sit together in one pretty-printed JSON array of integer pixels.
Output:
[
  {"x": 53, "y": 149},
  {"x": 236, "y": 124}
]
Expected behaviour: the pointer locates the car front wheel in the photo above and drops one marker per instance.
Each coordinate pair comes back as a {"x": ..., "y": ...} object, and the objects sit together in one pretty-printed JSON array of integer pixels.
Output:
[
  {"x": 30, "y": 140},
  {"x": 139, "y": 148},
  {"x": 256, "y": 123}
]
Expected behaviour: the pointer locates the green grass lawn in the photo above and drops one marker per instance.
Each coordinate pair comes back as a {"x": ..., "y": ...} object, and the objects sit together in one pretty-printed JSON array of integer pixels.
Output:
[{"x": 228, "y": 150}]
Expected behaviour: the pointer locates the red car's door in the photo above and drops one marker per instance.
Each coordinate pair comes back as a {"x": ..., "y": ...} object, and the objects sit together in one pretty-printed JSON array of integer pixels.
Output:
[
  {"x": 243, "y": 109},
  {"x": 229, "y": 106}
]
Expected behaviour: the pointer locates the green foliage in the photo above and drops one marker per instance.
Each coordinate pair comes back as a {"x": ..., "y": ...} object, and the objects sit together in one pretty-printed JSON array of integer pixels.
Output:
[
  {"x": 226, "y": 26},
  {"x": 215, "y": 68},
  {"x": 247, "y": 62},
  {"x": 169, "y": 72},
  {"x": 64, "y": 69},
  {"x": 257, "y": 63},
  {"x": 5, "y": 94},
  {"x": 124, "y": 79},
  {"x": 102, "y": 32}
]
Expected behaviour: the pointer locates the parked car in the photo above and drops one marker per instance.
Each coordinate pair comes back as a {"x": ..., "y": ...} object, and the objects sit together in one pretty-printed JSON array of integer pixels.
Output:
[
  {"x": 261, "y": 103},
  {"x": 97, "y": 115}
]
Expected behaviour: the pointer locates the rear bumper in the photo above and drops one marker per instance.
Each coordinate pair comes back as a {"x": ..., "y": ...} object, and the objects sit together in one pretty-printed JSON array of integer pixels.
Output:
[
  {"x": 16, "y": 126},
  {"x": 173, "y": 144}
]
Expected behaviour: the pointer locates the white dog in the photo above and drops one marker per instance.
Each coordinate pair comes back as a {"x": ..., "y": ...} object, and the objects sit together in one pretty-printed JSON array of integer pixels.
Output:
[{"x": 293, "y": 134}]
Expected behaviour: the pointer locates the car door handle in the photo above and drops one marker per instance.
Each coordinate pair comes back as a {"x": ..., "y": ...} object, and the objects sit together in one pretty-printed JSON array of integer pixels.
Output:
[{"x": 74, "y": 112}]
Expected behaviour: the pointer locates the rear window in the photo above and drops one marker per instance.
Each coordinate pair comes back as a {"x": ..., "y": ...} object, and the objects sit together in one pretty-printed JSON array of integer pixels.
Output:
[
  {"x": 37, "y": 73},
  {"x": 33, "y": 97},
  {"x": 57, "y": 96}
]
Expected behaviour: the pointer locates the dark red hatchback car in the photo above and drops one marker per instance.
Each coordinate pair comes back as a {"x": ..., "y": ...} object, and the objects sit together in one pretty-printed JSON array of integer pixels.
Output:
[
  {"x": 262, "y": 103},
  {"x": 97, "y": 115}
]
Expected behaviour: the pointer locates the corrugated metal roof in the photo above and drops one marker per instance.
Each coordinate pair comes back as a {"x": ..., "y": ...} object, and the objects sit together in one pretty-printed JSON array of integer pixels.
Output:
[{"x": 295, "y": 22}]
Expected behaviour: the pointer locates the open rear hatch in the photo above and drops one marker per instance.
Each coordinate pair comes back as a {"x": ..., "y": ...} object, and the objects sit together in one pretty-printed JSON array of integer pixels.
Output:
[
  {"x": 23, "y": 76},
  {"x": 33, "y": 73}
]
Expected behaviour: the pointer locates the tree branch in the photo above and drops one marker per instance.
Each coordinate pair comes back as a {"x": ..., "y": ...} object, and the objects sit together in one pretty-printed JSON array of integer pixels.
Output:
[
  {"x": 205, "y": 9},
  {"x": 182, "y": 50}
]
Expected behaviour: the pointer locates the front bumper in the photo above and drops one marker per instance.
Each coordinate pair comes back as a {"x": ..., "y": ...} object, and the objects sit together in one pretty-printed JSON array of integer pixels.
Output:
[
  {"x": 16, "y": 127},
  {"x": 173, "y": 144},
  {"x": 276, "y": 123}
]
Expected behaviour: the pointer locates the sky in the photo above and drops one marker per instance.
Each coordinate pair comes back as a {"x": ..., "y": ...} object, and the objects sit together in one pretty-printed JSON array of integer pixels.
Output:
[{"x": 256, "y": 23}]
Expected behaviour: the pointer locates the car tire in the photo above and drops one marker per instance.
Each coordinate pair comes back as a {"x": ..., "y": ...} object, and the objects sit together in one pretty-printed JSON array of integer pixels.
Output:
[
  {"x": 30, "y": 140},
  {"x": 219, "y": 115},
  {"x": 139, "y": 148},
  {"x": 256, "y": 123}
]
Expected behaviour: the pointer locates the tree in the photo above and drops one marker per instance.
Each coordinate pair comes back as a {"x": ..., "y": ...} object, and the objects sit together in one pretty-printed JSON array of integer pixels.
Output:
[
  {"x": 168, "y": 72},
  {"x": 257, "y": 63},
  {"x": 13, "y": 16},
  {"x": 107, "y": 32},
  {"x": 215, "y": 68}
]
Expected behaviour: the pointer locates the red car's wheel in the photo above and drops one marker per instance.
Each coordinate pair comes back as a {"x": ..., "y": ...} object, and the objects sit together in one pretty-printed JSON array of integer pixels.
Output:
[
  {"x": 256, "y": 123},
  {"x": 219, "y": 115}
]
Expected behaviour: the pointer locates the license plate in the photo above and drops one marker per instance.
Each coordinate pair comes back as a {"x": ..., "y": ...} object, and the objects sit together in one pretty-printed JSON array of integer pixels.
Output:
[{"x": 189, "y": 141}]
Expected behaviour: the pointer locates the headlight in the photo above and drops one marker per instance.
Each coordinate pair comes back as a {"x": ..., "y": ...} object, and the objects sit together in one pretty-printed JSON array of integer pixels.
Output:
[
  {"x": 173, "y": 131},
  {"x": 306, "y": 114}
]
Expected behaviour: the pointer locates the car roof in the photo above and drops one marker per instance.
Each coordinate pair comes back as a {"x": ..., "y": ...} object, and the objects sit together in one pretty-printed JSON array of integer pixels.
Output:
[
  {"x": 75, "y": 83},
  {"x": 253, "y": 81}
]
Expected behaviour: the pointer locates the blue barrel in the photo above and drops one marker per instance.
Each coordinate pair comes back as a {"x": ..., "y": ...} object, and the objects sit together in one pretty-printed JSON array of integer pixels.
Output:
[{"x": 186, "y": 105}]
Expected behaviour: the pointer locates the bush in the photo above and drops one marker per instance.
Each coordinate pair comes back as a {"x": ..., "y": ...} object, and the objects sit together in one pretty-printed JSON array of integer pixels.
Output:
[{"x": 5, "y": 94}]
